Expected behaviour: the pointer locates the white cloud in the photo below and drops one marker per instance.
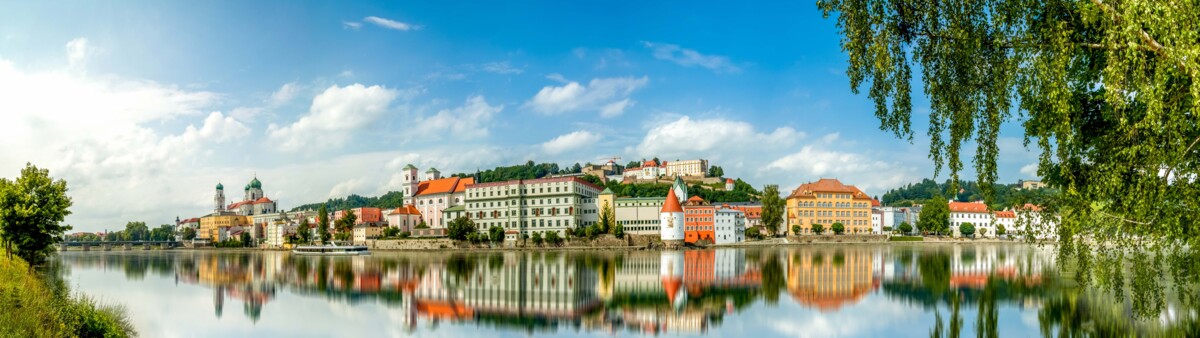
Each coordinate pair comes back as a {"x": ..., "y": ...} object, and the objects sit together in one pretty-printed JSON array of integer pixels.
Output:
[
  {"x": 571, "y": 141},
  {"x": 285, "y": 94},
  {"x": 1030, "y": 170},
  {"x": 351, "y": 25},
  {"x": 471, "y": 120},
  {"x": 391, "y": 24},
  {"x": 77, "y": 51},
  {"x": 691, "y": 58},
  {"x": 688, "y": 137},
  {"x": 503, "y": 68},
  {"x": 816, "y": 161},
  {"x": 609, "y": 96},
  {"x": 333, "y": 117},
  {"x": 556, "y": 77},
  {"x": 345, "y": 188}
]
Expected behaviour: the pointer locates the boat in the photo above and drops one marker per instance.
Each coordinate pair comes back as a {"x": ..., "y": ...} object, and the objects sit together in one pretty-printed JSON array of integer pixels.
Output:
[{"x": 331, "y": 249}]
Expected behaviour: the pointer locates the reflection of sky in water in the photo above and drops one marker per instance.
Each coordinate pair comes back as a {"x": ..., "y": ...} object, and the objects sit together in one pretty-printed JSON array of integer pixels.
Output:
[{"x": 162, "y": 305}]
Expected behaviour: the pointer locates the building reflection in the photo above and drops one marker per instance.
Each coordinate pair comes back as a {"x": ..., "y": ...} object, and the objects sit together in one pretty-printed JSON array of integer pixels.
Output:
[{"x": 621, "y": 293}]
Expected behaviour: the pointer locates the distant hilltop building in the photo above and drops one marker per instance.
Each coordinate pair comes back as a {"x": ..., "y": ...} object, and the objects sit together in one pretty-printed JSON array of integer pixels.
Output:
[
  {"x": 1030, "y": 185},
  {"x": 649, "y": 170}
]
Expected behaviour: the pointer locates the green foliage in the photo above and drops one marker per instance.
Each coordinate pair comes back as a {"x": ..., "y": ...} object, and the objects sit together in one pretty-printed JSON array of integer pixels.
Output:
[
  {"x": 165, "y": 232},
  {"x": 754, "y": 233},
  {"x": 796, "y": 229},
  {"x": 905, "y": 228},
  {"x": 1000, "y": 230},
  {"x": 1004, "y": 197},
  {"x": 715, "y": 171},
  {"x": 189, "y": 233},
  {"x": 304, "y": 231},
  {"x": 773, "y": 209},
  {"x": 31, "y": 210},
  {"x": 818, "y": 228},
  {"x": 422, "y": 225},
  {"x": 135, "y": 231},
  {"x": 390, "y": 232},
  {"x": 246, "y": 241},
  {"x": 660, "y": 190},
  {"x": 390, "y": 200},
  {"x": 1107, "y": 91},
  {"x": 346, "y": 223},
  {"x": 607, "y": 217},
  {"x": 496, "y": 234},
  {"x": 459, "y": 228},
  {"x": 906, "y": 239},
  {"x": 966, "y": 229},
  {"x": 619, "y": 231},
  {"x": 35, "y": 307},
  {"x": 593, "y": 179},
  {"x": 323, "y": 223},
  {"x": 518, "y": 172},
  {"x": 537, "y": 238},
  {"x": 405, "y": 234},
  {"x": 837, "y": 228},
  {"x": 552, "y": 238},
  {"x": 935, "y": 216}
]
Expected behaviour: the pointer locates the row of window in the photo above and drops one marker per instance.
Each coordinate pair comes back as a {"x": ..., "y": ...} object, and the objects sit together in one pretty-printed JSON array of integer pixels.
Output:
[{"x": 827, "y": 204}]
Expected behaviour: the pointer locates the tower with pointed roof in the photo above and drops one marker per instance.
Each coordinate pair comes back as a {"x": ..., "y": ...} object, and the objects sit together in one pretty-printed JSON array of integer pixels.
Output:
[
  {"x": 432, "y": 174},
  {"x": 680, "y": 189},
  {"x": 671, "y": 273},
  {"x": 671, "y": 226},
  {"x": 219, "y": 199},
  {"x": 409, "y": 182}
]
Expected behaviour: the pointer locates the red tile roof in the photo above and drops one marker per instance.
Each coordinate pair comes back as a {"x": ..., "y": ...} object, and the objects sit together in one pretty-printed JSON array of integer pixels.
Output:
[
  {"x": 976, "y": 207},
  {"x": 406, "y": 210},
  {"x": 824, "y": 185},
  {"x": 728, "y": 180},
  {"x": 463, "y": 183},
  {"x": 438, "y": 186},
  {"x": 262, "y": 200},
  {"x": 672, "y": 203},
  {"x": 875, "y": 202},
  {"x": 1006, "y": 214}
]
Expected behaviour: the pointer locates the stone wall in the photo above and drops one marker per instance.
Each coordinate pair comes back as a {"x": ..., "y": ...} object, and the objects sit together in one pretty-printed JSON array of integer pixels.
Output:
[
  {"x": 410, "y": 244},
  {"x": 837, "y": 239}
]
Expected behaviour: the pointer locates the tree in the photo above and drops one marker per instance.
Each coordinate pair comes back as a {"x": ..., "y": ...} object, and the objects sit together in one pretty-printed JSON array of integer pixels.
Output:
[
  {"x": 607, "y": 217},
  {"x": 347, "y": 222},
  {"x": 837, "y": 228},
  {"x": 817, "y": 228},
  {"x": 136, "y": 231},
  {"x": 593, "y": 179},
  {"x": 391, "y": 232},
  {"x": 982, "y": 232},
  {"x": 553, "y": 238},
  {"x": 304, "y": 231},
  {"x": 905, "y": 228},
  {"x": 619, "y": 231},
  {"x": 323, "y": 223},
  {"x": 772, "y": 210},
  {"x": 537, "y": 238},
  {"x": 189, "y": 233},
  {"x": 496, "y": 234},
  {"x": 31, "y": 210},
  {"x": 1066, "y": 69},
  {"x": 459, "y": 228},
  {"x": 796, "y": 230},
  {"x": 966, "y": 229},
  {"x": 1000, "y": 230},
  {"x": 245, "y": 239},
  {"x": 715, "y": 171},
  {"x": 935, "y": 216},
  {"x": 422, "y": 225}
]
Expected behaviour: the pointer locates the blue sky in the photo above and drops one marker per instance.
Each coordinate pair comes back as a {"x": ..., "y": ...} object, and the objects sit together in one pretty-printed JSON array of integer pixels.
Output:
[{"x": 144, "y": 106}]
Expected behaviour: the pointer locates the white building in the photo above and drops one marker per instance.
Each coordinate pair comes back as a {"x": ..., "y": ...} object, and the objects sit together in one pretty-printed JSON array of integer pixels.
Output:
[
  {"x": 976, "y": 213},
  {"x": 533, "y": 206},
  {"x": 692, "y": 168},
  {"x": 1006, "y": 219},
  {"x": 277, "y": 233},
  {"x": 877, "y": 221},
  {"x": 404, "y": 218},
  {"x": 729, "y": 226},
  {"x": 433, "y": 194}
]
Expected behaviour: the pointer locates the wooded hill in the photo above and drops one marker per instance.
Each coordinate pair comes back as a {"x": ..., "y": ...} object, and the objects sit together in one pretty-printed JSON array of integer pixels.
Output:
[
  {"x": 1006, "y": 195},
  {"x": 390, "y": 200}
]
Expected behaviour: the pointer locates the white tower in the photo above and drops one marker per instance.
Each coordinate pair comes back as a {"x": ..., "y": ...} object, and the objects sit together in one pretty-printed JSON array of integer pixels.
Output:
[
  {"x": 671, "y": 272},
  {"x": 671, "y": 218},
  {"x": 410, "y": 183},
  {"x": 219, "y": 199},
  {"x": 432, "y": 174},
  {"x": 728, "y": 184}
]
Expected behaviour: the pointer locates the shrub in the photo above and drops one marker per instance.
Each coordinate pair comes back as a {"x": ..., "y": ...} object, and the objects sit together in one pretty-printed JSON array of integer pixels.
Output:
[
  {"x": 537, "y": 238},
  {"x": 818, "y": 228},
  {"x": 837, "y": 228},
  {"x": 966, "y": 229},
  {"x": 619, "y": 231},
  {"x": 796, "y": 229}
]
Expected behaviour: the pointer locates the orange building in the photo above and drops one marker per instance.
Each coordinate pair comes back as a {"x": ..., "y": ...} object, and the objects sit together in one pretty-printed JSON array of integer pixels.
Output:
[
  {"x": 366, "y": 216},
  {"x": 698, "y": 220},
  {"x": 825, "y": 202}
]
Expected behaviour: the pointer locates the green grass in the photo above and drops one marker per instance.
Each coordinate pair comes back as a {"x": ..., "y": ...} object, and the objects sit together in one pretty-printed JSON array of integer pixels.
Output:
[
  {"x": 32, "y": 309},
  {"x": 906, "y": 239}
]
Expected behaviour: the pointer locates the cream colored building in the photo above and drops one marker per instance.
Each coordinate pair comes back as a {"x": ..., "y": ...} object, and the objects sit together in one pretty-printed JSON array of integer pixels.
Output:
[
  {"x": 825, "y": 202},
  {"x": 533, "y": 206},
  {"x": 692, "y": 168}
]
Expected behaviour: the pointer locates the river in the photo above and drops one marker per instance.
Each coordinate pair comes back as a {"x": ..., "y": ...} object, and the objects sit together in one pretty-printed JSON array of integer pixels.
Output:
[{"x": 862, "y": 290}]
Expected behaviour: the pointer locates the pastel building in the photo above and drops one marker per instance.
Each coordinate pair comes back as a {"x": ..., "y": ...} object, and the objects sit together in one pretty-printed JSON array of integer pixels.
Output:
[
  {"x": 404, "y": 217},
  {"x": 698, "y": 218},
  {"x": 690, "y": 168},
  {"x": 975, "y": 213},
  {"x": 729, "y": 225},
  {"x": 433, "y": 194},
  {"x": 828, "y": 201},
  {"x": 525, "y": 207}
]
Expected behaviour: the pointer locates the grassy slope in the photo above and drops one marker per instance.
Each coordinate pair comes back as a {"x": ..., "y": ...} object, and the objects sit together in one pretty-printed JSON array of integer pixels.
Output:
[{"x": 30, "y": 309}]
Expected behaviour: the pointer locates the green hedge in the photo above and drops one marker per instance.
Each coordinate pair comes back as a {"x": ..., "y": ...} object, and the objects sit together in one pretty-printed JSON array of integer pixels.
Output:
[{"x": 906, "y": 239}]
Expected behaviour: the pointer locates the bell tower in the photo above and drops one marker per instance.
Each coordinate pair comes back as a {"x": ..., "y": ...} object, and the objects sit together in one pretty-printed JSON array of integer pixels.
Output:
[
  {"x": 219, "y": 199},
  {"x": 409, "y": 183}
]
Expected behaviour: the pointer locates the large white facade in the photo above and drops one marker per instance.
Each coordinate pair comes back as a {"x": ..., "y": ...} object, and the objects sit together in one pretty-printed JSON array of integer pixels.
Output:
[
  {"x": 433, "y": 194},
  {"x": 729, "y": 226},
  {"x": 533, "y": 206},
  {"x": 693, "y": 168}
]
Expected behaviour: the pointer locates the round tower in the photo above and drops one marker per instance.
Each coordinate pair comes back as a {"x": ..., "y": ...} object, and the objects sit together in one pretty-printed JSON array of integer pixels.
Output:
[
  {"x": 671, "y": 272},
  {"x": 671, "y": 221}
]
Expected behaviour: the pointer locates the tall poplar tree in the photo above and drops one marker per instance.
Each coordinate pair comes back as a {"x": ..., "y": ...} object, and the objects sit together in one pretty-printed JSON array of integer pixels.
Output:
[
  {"x": 323, "y": 224},
  {"x": 772, "y": 209}
]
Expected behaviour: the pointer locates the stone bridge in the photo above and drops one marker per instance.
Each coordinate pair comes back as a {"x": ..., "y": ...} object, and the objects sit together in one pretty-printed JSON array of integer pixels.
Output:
[{"x": 121, "y": 245}]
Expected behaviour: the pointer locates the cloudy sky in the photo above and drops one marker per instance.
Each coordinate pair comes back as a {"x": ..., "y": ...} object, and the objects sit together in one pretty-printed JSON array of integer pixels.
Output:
[{"x": 144, "y": 106}]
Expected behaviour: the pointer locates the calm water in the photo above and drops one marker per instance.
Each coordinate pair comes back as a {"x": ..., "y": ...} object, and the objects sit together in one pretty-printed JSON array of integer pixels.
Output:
[{"x": 814, "y": 291}]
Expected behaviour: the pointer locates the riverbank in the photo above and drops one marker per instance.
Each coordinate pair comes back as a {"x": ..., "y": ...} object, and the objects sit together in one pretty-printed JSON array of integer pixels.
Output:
[{"x": 32, "y": 308}]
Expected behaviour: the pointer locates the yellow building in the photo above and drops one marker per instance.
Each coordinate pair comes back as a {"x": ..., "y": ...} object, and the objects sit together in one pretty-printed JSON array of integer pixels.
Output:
[
  {"x": 825, "y": 202},
  {"x": 211, "y": 225}
]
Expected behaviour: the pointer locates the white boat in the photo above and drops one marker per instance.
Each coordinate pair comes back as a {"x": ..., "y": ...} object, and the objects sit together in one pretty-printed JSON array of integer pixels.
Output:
[{"x": 331, "y": 249}]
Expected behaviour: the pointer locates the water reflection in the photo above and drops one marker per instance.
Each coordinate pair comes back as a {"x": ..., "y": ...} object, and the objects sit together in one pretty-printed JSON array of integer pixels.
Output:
[{"x": 640, "y": 292}]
